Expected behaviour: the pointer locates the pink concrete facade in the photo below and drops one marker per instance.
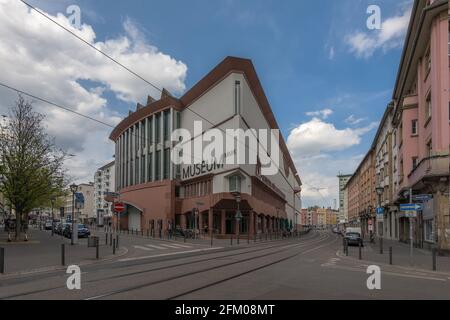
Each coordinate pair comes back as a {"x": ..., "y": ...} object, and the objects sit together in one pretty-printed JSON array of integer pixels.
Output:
[{"x": 421, "y": 123}]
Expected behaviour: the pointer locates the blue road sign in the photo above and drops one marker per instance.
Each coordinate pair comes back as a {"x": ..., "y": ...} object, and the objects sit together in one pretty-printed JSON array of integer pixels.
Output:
[
  {"x": 410, "y": 207},
  {"x": 380, "y": 210},
  {"x": 79, "y": 200},
  {"x": 422, "y": 197}
]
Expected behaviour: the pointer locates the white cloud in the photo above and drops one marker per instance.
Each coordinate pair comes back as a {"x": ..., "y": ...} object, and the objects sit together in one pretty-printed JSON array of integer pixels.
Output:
[
  {"x": 315, "y": 147},
  {"x": 353, "y": 120},
  {"x": 41, "y": 58},
  {"x": 331, "y": 53},
  {"x": 324, "y": 114},
  {"x": 391, "y": 35},
  {"x": 316, "y": 136}
]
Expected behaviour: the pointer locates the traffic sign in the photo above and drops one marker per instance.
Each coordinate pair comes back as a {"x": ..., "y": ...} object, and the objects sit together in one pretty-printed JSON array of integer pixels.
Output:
[
  {"x": 79, "y": 200},
  {"x": 380, "y": 210},
  {"x": 119, "y": 207},
  {"x": 238, "y": 215},
  {"x": 411, "y": 207},
  {"x": 422, "y": 197},
  {"x": 411, "y": 214}
]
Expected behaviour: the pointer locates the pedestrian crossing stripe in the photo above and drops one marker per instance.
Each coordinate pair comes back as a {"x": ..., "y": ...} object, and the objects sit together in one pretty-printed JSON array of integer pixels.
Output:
[
  {"x": 143, "y": 248},
  {"x": 172, "y": 246},
  {"x": 156, "y": 247}
]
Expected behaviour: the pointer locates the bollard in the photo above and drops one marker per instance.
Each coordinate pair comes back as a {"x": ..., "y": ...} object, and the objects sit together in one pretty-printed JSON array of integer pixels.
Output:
[
  {"x": 106, "y": 239},
  {"x": 343, "y": 244},
  {"x": 390, "y": 256},
  {"x": 148, "y": 233},
  {"x": 63, "y": 254},
  {"x": 114, "y": 246},
  {"x": 97, "y": 249},
  {"x": 360, "y": 252},
  {"x": 433, "y": 251},
  {"x": 381, "y": 245},
  {"x": 248, "y": 238},
  {"x": 212, "y": 237},
  {"x": 238, "y": 238},
  {"x": 346, "y": 248},
  {"x": 128, "y": 231},
  {"x": 117, "y": 241},
  {"x": 110, "y": 239},
  {"x": 2, "y": 260},
  {"x": 231, "y": 240}
]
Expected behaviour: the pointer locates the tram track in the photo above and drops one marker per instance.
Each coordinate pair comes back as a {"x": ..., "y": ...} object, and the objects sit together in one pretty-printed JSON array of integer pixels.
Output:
[
  {"x": 322, "y": 238},
  {"x": 316, "y": 237}
]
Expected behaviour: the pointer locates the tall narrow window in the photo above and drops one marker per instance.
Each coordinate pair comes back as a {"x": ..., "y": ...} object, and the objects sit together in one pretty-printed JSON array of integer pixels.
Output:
[
  {"x": 166, "y": 164},
  {"x": 429, "y": 107},
  {"x": 158, "y": 166},
  {"x": 237, "y": 97},
  {"x": 150, "y": 130},
  {"x": 166, "y": 125},
  {"x": 150, "y": 167},
  {"x": 414, "y": 127},
  {"x": 158, "y": 128}
]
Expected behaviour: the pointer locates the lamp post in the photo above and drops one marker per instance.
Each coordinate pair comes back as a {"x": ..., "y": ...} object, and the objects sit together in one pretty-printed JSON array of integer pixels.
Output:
[
  {"x": 380, "y": 191},
  {"x": 237, "y": 196},
  {"x": 296, "y": 191},
  {"x": 53, "y": 200},
  {"x": 74, "y": 189}
]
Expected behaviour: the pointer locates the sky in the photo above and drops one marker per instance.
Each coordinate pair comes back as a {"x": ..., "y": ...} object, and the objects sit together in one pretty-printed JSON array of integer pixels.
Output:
[{"x": 327, "y": 76}]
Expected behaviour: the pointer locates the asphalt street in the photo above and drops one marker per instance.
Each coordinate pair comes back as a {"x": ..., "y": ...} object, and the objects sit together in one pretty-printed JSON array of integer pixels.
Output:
[{"x": 312, "y": 267}]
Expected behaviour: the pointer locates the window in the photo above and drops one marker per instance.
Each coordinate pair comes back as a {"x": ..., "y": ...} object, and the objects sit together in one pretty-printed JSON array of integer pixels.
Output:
[
  {"x": 427, "y": 62},
  {"x": 429, "y": 107},
  {"x": 237, "y": 97},
  {"x": 235, "y": 183},
  {"x": 158, "y": 166},
  {"x": 415, "y": 162},
  {"x": 428, "y": 230},
  {"x": 143, "y": 169},
  {"x": 150, "y": 167},
  {"x": 166, "y": 164},
  {"x": 150, "y": 130},
  {"x": 395, "y": 138},
  {"x": 429, "y": 149},
  {"x": 414, "y": 127},
  {"x": 158, "y": 128},
  {"x": 166, "y": 125},
  {"x": 395, "y": 164}
]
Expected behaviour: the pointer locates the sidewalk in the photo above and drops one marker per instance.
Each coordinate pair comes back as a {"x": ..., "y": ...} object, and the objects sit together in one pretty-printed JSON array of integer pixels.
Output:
[
  {"x": 43, "y": 252},
  {"x": 422, "y": 258}
]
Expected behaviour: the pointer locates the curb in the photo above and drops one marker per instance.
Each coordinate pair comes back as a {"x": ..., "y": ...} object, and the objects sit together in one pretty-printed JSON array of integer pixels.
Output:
[{"x": 383, "y": 264}]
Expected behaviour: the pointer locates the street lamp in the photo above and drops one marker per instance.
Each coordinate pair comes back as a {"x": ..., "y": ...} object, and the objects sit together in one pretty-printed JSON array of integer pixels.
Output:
[
  {"x": 53, "y": 200},
  {"x": 74, "y": 189},
  {"x": 237, "y": 196},
  {"x": 296, "y": 191},
  {"x": 380, "y": 191}
]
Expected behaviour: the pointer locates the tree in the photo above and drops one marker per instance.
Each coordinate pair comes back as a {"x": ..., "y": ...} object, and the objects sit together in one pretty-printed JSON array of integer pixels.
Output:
[{"x": 31, "y": 166}]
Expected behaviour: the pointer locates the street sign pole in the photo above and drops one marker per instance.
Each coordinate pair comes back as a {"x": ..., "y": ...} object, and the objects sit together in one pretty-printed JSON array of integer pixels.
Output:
[{"x": 411, "y": 238}]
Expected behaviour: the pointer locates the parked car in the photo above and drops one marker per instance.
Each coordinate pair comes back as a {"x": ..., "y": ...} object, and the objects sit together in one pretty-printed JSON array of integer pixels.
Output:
[
  {"x": 48, "y": 225},
  {"x": 83, "y": 231},
  {"x": 354, "y": 238}
]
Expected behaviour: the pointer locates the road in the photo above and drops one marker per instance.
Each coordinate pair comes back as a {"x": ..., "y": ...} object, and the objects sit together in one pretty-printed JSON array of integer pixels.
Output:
[{"x": 311, "y": 267}]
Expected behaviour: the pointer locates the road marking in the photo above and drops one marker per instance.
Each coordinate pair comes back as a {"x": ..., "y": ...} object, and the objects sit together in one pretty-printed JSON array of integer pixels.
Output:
[
  {"x": 169, "y": 254},
  {"x": 170, "y": 246},
  {"x": 156, "y": 247},
  {"x": 142, "y": 248},
  {"x": 182, "y": 245}
]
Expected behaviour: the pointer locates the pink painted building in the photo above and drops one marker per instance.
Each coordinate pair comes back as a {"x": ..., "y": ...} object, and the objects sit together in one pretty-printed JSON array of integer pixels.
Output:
[{"x": 421, "y": 130}]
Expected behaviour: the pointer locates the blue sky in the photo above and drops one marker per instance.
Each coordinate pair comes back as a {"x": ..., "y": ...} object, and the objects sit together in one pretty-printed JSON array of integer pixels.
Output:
[{"x": 303, "y": 53}]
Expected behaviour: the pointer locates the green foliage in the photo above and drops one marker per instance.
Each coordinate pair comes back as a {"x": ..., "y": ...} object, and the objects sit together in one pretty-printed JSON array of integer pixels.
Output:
[{"x": 31, "y": 166}]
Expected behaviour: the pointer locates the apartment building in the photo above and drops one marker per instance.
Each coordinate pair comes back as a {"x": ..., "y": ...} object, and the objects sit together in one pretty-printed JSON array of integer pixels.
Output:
[
  {"x": 104, "y": 183},
  {"x": 343, "y": 198},
  {"x": 421, "y": 122}
]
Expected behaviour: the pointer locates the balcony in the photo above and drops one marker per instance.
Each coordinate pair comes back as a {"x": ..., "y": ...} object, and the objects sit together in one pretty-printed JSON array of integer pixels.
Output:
[
  {"x": 410, "y": 100},
  {"x": 430, "y": 167}
]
